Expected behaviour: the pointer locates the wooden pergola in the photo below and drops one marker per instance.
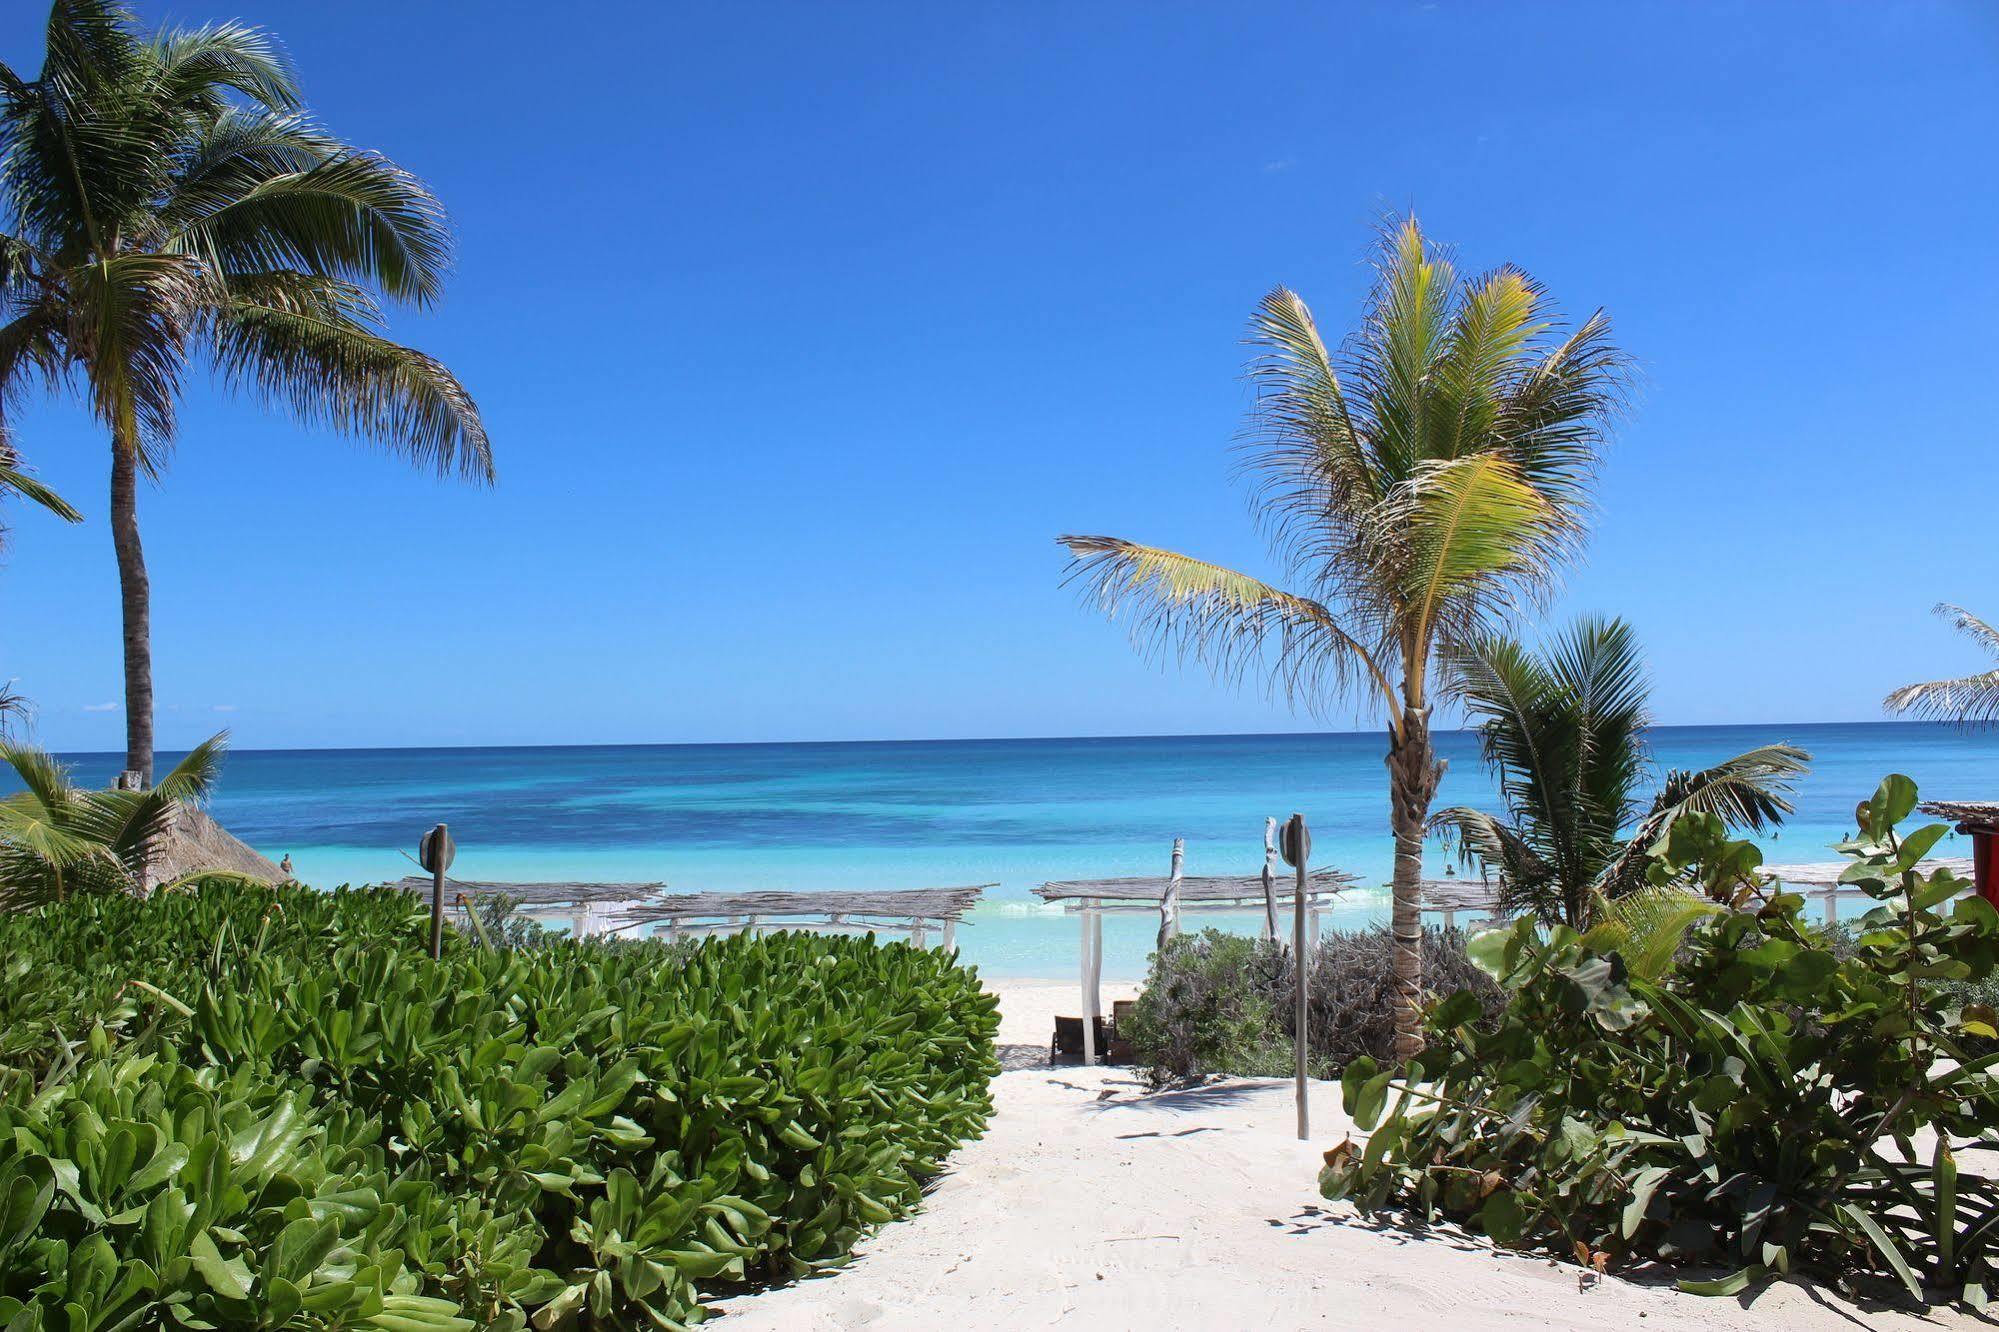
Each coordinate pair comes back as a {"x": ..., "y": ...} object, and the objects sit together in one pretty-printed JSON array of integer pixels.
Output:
[
  {"x": 1171, "y": 896},
  {"x": 917, "y": 911},
  {"x": 589, "y": 906}
]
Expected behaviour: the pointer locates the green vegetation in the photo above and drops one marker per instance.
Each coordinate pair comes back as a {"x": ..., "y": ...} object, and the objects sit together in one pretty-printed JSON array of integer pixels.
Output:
[
  {"x": 165, "y": 202},
  {"x": 1564, "y": 730},
  {"x": 1759, "y": 1107},
  {"x": 1218, "y": 1003},
  {"x": 1970, "y": 699},
  {"x": 1420, "y": 483},
  {"x": 58, "y": 840},
  {"x": 237, "y": 1107}
]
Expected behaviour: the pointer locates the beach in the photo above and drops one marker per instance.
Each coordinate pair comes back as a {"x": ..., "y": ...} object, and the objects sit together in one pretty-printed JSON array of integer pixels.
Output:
[{"x": 1090, "y": 1203}]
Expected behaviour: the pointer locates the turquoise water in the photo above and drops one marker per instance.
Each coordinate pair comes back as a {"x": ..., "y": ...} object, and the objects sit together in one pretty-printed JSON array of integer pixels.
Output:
[{"x": 913, "y": 814}]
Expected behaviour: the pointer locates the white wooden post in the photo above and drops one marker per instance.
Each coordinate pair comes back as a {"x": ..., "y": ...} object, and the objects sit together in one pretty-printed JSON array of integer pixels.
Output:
[
  {"x": 916, "y": 935},
  {"x": 1301, "y": 959},
  {"x": 950, "y": 934},
  {"x": 1270, "y": 879},
  {"x": 1093, "y": 961},
  {"x": 1169, "y": 905},
  {"x": 1832, "y": 906}
]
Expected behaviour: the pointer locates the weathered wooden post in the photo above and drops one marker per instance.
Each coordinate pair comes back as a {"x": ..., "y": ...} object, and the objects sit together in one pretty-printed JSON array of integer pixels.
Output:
[
  {"x": 1297, "y": 847},
  {"x": 1270, "y": 879},
  {"x": 435, "y": 853},
  {"x": 1093, "y": 976},
  {"x": 1169, "y": 905}
]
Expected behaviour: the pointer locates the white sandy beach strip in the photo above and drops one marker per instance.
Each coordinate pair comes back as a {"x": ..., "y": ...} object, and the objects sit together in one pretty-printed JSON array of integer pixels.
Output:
[{"x": 1092, "y": 1205}]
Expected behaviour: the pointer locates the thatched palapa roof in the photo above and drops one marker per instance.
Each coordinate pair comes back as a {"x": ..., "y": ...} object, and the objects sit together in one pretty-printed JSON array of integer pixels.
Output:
[{"x": 194, "y": 842}]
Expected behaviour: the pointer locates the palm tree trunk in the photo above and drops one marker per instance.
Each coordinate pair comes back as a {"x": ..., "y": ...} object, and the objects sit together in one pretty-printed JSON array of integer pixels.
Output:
[
  {"x": 1413, "y": 774},
  {"x": 135, "y": 592}
]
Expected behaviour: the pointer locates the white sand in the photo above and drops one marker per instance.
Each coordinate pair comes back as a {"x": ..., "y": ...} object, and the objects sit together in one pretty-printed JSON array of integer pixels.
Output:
[{"x": 1091, "y": 1205}]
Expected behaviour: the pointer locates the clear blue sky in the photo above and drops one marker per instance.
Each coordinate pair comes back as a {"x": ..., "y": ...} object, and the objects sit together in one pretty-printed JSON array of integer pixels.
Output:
[{"x": 801, "y": 331}]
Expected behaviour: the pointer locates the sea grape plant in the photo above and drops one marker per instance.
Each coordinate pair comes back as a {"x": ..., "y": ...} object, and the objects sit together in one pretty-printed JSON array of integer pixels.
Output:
[
  {"x": 1764, "y": 1106},
  {"x": 253, "y": 1107}
]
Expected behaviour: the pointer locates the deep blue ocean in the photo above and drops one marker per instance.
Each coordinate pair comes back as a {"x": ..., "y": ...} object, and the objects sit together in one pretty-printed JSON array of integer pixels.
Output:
[{"x": 915, "y": 814}]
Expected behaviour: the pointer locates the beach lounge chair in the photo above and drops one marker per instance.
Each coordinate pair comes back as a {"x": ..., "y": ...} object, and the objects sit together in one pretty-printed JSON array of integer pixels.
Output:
[{"x": 1066, "y": 1047}]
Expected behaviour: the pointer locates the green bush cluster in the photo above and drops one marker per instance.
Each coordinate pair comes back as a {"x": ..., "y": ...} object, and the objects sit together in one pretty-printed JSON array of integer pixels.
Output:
[
  {"x": 1224, "y": 1003},
  {"x": 1767, "y": 1105},
  {"x": 245, "y": 1107}
]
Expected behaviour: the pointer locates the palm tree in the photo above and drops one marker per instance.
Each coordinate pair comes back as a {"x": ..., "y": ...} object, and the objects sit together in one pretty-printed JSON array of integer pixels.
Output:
[
  {"x": 1564, "y": 729},
  {"x": 1972, "y": 700},
  {"x": 57, "y": 839},
  {"x": 167, "y": 203},
  {"x": 1417, "y": 485}
]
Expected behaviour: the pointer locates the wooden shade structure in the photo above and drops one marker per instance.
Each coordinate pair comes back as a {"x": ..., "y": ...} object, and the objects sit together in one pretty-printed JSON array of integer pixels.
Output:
[
  {"x": 917, "y": 911},
  {"x": 1090, "y": 900},
  {"x": 193, "y": 842},
  {"x": 589, "y": 906},
  {"x": 1979, "y": 818}
]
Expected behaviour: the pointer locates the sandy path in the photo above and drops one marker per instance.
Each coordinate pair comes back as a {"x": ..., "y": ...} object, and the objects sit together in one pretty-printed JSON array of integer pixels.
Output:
[{"x": 1091, "y": 1205}]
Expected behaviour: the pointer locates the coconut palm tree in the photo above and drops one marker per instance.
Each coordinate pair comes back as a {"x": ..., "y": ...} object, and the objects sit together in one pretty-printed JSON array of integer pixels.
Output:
[
  {"x": 1972, "y": 700},
  {"x": 1418, "y": 484},
  {"x": 165, "y": 203},
  {"x": 58, "y": 839},
  {"x": 1564, "y": 730}
]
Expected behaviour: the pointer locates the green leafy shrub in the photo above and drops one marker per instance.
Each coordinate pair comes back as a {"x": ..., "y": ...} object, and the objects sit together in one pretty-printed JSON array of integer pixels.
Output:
[
  {"x": 1758, "y": 1106},
  {"x": 239, "y": 1107},
  {"x": 1224, "y": 1003}
]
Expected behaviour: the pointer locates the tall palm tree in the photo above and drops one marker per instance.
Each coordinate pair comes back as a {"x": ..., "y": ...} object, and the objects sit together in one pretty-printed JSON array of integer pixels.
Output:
[
  {"x": 165, "y": 202},
  {"x": 1417, "y": 485},
  {"x": 1970, "y": 699},
  {"x": 1564, "y": 729}
]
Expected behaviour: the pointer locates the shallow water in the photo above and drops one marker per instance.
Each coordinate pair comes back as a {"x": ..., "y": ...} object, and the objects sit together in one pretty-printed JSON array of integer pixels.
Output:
[{"x": 909, "y": 814}]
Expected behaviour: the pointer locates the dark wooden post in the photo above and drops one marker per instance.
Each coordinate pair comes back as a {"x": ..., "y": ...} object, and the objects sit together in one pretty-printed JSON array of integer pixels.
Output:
[{"x": 435, "y": 853}]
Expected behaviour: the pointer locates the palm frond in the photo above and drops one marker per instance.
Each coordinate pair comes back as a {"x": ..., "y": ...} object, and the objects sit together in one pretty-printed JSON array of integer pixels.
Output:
[
  {"x": 14, "y": 480},
  {"x": 130, "y": 824},
  {"x": 1971, "y": 626},
  {"x": 1750, "y": 791},
  {"x": 1556, "y": 420},
  {"x": 44, "y": 779},
  {"x": 1226, "y": 620},
  {"x": 1508, "y": 855},
  {"x": 195, "y": 66},
  {"x": 1971, "y": 700},
  {"x": 1307, "y": 453},
  {"x": 1494, "y": 325},
  {"x": 1646, "y": 927},
  {"x": 1466, "y": 533},
  {"x": 142, "y": 310},
  {"x": 307, "y": 350},
  {"x": 351, "y": 215}
]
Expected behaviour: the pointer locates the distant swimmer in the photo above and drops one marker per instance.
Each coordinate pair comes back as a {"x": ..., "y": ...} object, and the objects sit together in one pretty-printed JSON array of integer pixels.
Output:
[{"x": 285, "y": 866}]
